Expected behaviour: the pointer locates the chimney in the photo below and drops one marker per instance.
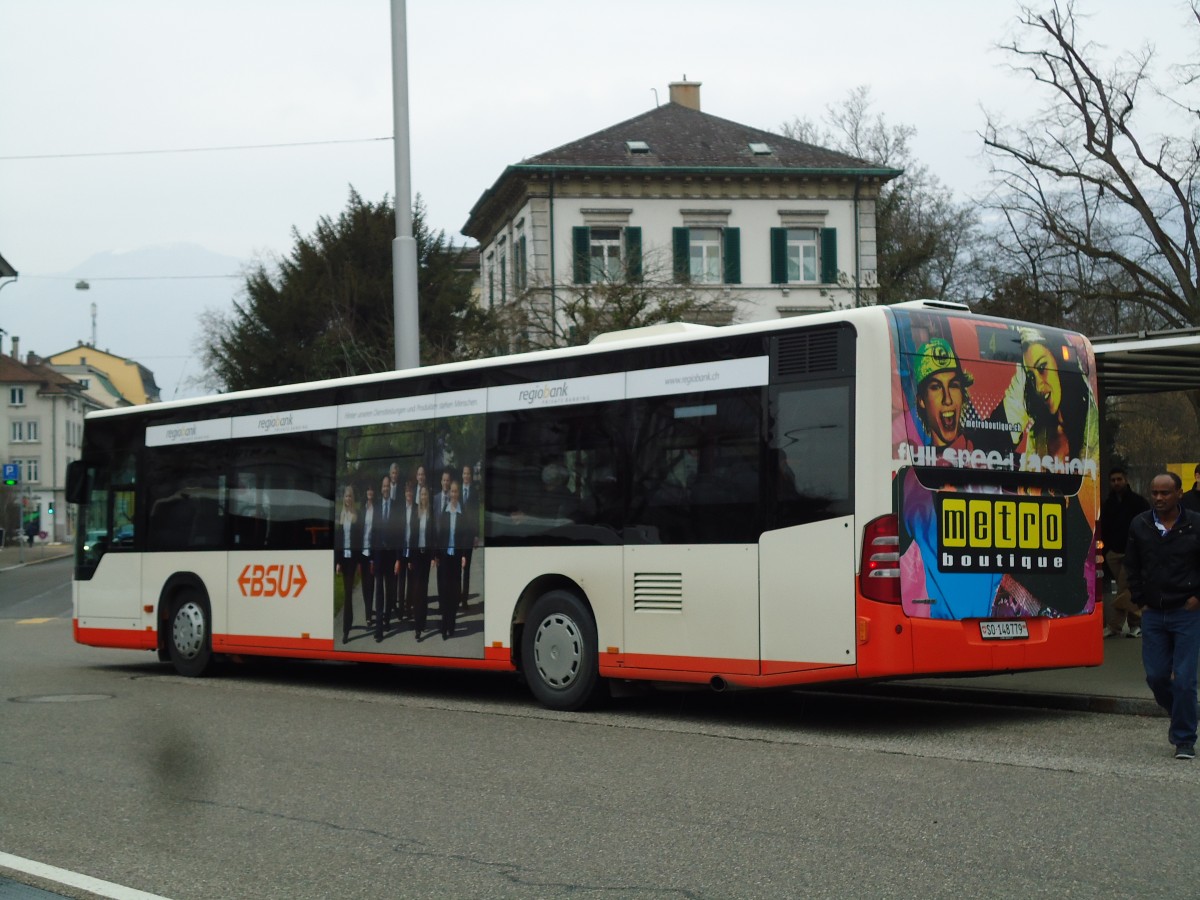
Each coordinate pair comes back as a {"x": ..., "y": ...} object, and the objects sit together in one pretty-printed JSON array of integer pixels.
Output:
[
  {"x": 686, "y": 93},
  {"x": 16, "y": 350}
]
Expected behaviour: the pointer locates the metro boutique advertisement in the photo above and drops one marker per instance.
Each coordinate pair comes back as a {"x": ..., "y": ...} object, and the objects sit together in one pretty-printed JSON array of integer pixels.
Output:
[{"x": 996, "y": 436}]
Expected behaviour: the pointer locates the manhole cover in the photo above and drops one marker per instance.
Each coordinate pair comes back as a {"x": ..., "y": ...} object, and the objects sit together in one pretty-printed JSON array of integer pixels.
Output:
[{"x": 61, "y": 698}]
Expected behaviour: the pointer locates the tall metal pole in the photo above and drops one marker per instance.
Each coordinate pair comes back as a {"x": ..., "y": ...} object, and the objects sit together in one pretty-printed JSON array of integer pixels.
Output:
[{"x": 404, "y": 247}]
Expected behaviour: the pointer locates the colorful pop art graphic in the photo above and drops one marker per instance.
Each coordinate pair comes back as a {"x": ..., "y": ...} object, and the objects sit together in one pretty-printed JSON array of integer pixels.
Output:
[{"x": 995, "y": 437}]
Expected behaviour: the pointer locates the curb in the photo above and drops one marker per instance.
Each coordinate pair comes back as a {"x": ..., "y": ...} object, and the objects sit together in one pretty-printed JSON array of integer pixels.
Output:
[
  {"x": 1125, "y": 706},
  {"x": 34, "y": 562}
]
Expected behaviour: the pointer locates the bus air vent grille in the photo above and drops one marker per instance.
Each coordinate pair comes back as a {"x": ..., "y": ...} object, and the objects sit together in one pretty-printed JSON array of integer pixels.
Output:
[
  {"x": 657, "y": 592},
  {"x": 808, "y": 352}
]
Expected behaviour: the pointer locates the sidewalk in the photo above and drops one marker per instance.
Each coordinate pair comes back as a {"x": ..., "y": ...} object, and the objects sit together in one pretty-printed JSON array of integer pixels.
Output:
[
  {"x": 12, "y": 555},
  {"x": 1117, "y": 686}
]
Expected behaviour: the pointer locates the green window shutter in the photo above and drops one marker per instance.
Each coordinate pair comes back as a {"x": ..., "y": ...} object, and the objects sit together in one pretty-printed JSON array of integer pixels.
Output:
[
  {"x": 681, "y": 246},
  {"x": 633, "y": 254},
  {"x": 779, "y": 256},
  {"x": 581, "y": 243},
  {"x": 522, "y": 264},
  {"x": 731, "y": 255},
  {"x": 829, "y": 263}
]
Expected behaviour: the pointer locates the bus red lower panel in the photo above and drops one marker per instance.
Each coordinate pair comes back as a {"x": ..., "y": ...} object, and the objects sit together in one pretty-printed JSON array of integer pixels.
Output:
[
  {"x": 119, "y": 638},
  {"x": 891, "y": 644}
]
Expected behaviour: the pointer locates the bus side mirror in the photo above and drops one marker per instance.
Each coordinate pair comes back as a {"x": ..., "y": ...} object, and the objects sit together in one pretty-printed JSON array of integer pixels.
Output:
[{"x": 77, "y": 482}]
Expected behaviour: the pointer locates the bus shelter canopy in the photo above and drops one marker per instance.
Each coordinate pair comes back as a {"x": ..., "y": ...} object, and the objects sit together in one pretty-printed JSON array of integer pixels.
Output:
[{"x": 1148, "y": 362}]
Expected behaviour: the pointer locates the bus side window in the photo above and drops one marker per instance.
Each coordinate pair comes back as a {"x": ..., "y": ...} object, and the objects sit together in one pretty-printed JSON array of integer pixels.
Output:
[
  {"x": 697, "y": 470},
  {"x": 282, "y": 495},
  {"x": 812, "y": 451}
]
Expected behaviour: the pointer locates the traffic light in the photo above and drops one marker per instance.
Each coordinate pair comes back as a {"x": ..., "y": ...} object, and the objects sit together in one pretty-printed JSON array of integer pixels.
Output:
[{"x": 50, "y": 507}]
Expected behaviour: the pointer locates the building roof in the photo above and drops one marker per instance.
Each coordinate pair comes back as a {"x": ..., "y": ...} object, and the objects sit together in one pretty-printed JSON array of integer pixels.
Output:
[
  {"x": 678, "y": 136},
  {"x": 13, "y": 371},
  {"x": 81, "y": 351},
  {"x": 677, "y": 139}
]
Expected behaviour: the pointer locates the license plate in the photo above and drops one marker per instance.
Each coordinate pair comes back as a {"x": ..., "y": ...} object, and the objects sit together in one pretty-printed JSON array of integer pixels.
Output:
[{"x": 1012, "y": 630}]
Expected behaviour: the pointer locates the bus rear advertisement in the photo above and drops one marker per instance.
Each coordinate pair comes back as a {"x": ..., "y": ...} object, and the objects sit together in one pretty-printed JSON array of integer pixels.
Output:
[{"x": 879, "y": 492}]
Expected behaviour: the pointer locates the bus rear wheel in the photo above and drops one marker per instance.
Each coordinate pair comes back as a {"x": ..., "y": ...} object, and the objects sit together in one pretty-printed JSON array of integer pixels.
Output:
[
  {"x": 189, "y": 635},
  {"x": 558, "y": 652}
]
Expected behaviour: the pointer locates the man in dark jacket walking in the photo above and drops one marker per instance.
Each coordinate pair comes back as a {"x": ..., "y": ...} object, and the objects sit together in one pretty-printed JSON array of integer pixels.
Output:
[{"x": 1162, "y": 562}]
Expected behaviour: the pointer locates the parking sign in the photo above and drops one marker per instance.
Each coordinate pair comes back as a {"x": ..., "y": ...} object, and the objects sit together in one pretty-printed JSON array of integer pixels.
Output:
[{"x": 12, "y": 473}]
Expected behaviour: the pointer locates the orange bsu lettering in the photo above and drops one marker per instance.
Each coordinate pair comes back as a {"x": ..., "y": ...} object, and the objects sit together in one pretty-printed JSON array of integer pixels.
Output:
[{"x": 272, "y": 581}]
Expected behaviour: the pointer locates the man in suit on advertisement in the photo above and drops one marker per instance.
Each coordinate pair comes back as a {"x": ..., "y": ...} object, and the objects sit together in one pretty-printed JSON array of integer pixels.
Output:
[
  {"x": 455, "y": 533},
  {"x": 385, "y": 559}
]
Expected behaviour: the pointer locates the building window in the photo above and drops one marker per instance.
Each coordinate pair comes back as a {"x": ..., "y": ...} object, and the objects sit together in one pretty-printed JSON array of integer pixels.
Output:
[
  {"x": 708, "y": 255},
  {"x": 804, "y": 256},
  {"x": 491, "y": 280},
  {"x": 604, "y": 254},
  {"x": 29, "y": 471},
  {"x": 607, "y": 254},
  {"x": 503, "y": 275},
  {"x": 520, "y": 265},
  {"x": 85, "y": 383},
  {"x": 704, "y": 255},
  {"x": 16, "y": 396},
  {"x": 23, "y": 432}
]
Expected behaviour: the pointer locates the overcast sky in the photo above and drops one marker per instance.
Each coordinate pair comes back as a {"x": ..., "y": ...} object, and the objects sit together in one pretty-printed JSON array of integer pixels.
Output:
[{"x": 88, "y": 89}]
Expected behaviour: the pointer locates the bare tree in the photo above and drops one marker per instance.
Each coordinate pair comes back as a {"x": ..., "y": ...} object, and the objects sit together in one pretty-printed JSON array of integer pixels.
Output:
[
  {"x": 542, "y": 316},
  {"x": 923, "y": 233},
  {"x": 1091, "y": 207}
]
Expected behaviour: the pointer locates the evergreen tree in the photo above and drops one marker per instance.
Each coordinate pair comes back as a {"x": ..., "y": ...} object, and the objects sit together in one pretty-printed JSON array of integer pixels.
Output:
[{"x": 326, "y": 309}]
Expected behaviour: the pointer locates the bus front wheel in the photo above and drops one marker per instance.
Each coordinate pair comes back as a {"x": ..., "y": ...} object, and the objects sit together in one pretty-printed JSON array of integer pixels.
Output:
[
  {"x": 558, "y": 651},
  {"x": 189, "y": 638}
]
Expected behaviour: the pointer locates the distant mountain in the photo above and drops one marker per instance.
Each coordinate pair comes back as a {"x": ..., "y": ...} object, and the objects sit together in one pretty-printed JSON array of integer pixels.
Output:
[{"x": 147, "y": 305}]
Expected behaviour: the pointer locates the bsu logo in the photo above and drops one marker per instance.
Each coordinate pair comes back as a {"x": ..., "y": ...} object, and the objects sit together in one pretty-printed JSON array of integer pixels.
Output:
[{"x": 272, "y": 581}]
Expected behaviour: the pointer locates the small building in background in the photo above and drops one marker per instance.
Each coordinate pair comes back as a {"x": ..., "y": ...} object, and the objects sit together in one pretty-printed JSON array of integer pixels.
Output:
[{"x": 133, "y": 381}]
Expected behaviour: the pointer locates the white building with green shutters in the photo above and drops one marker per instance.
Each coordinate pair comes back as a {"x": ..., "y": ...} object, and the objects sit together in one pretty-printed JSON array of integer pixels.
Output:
[{"x": 776, "y": 226}]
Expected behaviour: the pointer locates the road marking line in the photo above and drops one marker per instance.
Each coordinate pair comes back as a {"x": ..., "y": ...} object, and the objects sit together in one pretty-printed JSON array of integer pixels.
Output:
[
  {"x": 35, "y": 621},
  {"x": 73, "y": 879}
]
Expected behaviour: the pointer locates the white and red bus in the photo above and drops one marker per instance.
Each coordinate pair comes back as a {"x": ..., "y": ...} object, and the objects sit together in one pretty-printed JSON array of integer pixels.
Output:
[{"x": 874, "y": 493}]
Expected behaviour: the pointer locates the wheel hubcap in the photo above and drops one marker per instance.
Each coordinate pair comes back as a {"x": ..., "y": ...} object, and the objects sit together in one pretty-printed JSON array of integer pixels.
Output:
[
  {"x": 187, "y": 631},
  {"x": 558, "y": 650}
]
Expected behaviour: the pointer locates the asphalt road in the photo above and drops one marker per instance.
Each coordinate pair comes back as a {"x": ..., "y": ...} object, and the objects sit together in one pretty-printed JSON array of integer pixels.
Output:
[{"x": 316, "y": 780}]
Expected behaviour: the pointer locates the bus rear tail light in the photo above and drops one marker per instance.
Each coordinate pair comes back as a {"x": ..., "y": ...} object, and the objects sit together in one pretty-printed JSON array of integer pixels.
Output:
[{"x": 880, "y": 576}]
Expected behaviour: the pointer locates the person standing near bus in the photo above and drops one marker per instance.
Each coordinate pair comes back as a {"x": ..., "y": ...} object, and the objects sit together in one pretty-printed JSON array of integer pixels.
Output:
[
  {"x": 1191, "y": 498},
  {"x": 1162, "y": 560},
  {"x": 1120, "y": 506},
  {"x": 347, "y": 545}
]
